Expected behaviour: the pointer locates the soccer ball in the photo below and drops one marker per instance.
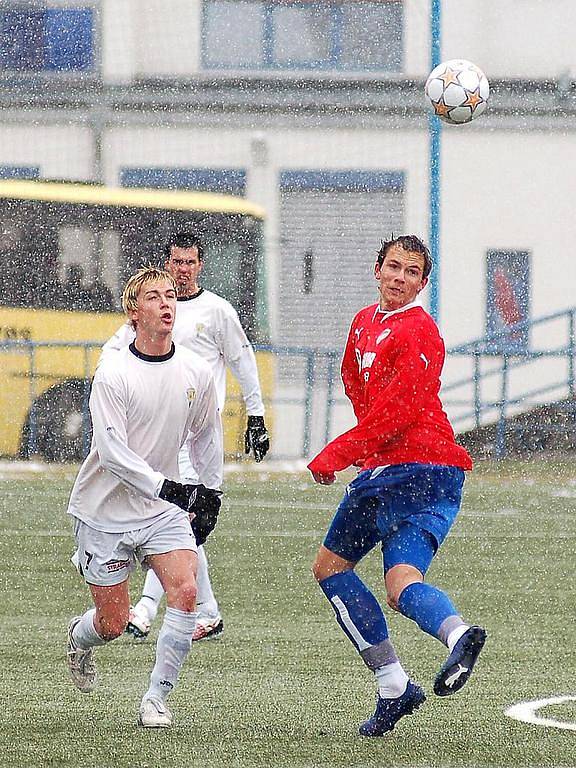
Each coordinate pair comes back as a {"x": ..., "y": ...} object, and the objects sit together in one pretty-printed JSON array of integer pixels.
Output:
[{"x": 458, "y": 91}]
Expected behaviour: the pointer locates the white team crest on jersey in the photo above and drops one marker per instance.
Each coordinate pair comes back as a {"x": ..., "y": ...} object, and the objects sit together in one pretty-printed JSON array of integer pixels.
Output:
[
  {"x": 190, "y": 394},
  {"x": 383, "y": 335},
  {"x": 367, "y": 359}
]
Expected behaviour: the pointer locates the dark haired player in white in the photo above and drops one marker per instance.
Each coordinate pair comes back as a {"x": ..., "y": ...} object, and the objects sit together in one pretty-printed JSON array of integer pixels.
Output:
[
  {"x": 408, "y": 491},
  {"x": 127, "y": 503},
  {"x": 208, "y": 325}
]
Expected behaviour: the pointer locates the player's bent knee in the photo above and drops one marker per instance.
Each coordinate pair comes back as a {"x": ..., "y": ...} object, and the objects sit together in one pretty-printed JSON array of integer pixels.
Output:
[
  {"x": 329, "y": 564},
  {"x": 322, "y": 570},
  {"x": 397, "y": 579},
  {"x": 183, "y": 597}
]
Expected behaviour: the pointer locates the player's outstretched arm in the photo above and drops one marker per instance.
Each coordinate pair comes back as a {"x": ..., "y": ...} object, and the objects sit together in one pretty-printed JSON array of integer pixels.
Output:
[{"x": 240, "y": 358}]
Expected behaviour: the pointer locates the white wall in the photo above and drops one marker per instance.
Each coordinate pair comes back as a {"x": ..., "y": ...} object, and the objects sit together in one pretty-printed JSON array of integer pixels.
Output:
[
  {"x": 168, "y": 35},
  {"x": 61, "y": 152},
  {"x": 512, "y": 38},
  {"x": 504, "y": 190},
  {"x": 149, "y": 38},
  {"x": 417, "y": 37},
  {"x": 507, "y": 38},
  {"x": 119, "y": 41}
]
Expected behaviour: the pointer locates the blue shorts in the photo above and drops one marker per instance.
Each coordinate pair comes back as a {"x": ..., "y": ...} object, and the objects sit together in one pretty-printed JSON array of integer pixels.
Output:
[{"x": 408, "y": 508}]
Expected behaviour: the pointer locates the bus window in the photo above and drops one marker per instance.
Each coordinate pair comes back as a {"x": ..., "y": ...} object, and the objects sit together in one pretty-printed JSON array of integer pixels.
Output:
[
  {"x": 109, "y": 267},
  {"x": 11, "y": 237},
  {"x": 220, "y": 272},
  {"x": 88, "y": 259}
]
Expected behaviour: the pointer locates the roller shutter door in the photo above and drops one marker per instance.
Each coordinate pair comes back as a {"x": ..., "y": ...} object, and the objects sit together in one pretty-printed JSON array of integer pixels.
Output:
[{"x": 329, "y": 240}]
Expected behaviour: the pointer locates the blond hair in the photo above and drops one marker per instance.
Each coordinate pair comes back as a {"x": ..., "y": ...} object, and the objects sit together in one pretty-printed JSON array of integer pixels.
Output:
[{"x": 145, "y": 275}]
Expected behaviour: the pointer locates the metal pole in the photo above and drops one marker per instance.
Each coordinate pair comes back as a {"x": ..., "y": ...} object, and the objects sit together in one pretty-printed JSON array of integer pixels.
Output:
[
  {"x": 434, "y": 133},
  {"x": 572, "y": 354},
  {"x": 310, "y": 377},
  {"x": 332, "y": 355},
  {"x": 33, "y": 434},
  {"x": 477, "y": 392},
  {"x": 500, "y": 443}
]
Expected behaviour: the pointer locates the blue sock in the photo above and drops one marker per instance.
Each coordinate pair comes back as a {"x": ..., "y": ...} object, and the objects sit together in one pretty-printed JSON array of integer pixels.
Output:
[
  {"x": 428, "y": 606},
  {"x": 357, "y": 610}
]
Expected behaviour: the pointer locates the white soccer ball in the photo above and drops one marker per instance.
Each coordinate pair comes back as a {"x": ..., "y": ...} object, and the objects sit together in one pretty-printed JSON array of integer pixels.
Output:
[{"x": 458, "y": 91}]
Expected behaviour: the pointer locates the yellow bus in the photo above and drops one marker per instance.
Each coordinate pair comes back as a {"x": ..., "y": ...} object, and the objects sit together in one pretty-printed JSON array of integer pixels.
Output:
[{"x": 66, "y": 251}]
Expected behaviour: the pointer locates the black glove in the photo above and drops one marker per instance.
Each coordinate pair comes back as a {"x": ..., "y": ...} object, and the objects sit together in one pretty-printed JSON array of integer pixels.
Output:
[
  {"x": 256, "y": 439},
  {"x": 201, "y": 502},
  {"x": 183, "y": 496},
  {"x": 205, "y": 507}
]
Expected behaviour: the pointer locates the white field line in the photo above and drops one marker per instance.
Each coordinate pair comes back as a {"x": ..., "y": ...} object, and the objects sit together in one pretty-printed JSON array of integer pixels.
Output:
[
  {"x": 526, "y": 712},
  {"x": 9, "y": 469}
]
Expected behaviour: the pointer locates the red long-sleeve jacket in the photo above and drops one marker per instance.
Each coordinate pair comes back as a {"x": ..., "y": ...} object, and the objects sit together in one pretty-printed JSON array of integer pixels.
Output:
[{"x": 391, "y": 374}]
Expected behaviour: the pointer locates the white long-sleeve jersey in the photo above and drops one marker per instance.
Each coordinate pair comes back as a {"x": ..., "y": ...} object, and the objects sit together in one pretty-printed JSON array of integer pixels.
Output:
[
  {"x": 143, "y": 410},
  {"x": 209, "y": 325}
]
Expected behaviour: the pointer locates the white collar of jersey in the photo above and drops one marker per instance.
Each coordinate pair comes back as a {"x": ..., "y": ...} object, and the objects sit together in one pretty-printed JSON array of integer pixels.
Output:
[{"x": 386, "y": 315}]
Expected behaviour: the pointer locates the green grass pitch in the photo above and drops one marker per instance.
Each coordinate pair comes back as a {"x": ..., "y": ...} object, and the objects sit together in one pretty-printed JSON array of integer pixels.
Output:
[{"x": 283, "y": 687}]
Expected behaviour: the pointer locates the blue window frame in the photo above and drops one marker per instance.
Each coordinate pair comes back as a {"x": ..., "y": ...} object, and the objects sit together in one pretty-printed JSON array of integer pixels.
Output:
[
  {"x": 231, "y": 181},
  {"x": 292, "y": 34},
  {"x": 507, "y": 300},
  {"x": 27, "y": 172},
  {"x": 50, "y": 39},
  {"x": 343, "y": 181}
]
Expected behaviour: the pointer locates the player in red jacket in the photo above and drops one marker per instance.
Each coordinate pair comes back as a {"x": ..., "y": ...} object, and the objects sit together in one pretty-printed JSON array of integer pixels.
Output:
[{"x": 408, "y": 491}]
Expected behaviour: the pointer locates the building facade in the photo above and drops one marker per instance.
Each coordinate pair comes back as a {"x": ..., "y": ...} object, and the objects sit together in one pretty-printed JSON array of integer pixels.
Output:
[{"x": 315, "y": 110}]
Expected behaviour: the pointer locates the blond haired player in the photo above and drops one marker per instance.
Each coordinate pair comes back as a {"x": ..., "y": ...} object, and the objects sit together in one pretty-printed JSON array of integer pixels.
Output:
[{"x": 127, "y": 504}]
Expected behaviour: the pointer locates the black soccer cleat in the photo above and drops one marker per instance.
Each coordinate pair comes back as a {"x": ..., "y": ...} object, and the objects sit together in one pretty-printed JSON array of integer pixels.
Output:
[
  {"x": 389, "y": 711},
  {"x": 459, "y": 665}
]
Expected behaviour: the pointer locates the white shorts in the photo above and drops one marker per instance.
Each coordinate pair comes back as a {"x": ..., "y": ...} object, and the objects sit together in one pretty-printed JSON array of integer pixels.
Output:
[{"x": 108, "y": 558}]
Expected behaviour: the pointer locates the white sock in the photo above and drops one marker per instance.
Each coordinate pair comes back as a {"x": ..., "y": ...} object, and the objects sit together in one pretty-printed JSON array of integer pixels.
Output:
[
  {"x": 205, "y": 601},
  {"x": 392, "y": 680},
  {"x": 172, "y": 647},
  {"x": 84, "y": 634},
  {"x": 455, "y": 635},
  {"x": 151, "y": 595}
]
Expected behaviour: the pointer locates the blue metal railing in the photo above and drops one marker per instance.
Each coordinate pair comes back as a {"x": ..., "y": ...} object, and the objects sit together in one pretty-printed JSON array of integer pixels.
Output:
[
  {"x": 314, "y": 359},
  {"x": 318, "y": 374},
  {"x": 493, "y": 348}
]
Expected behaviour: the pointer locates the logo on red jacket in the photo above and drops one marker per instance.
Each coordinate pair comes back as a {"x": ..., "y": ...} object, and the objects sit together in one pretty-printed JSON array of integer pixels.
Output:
[{"x": 384, "y": 335}]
